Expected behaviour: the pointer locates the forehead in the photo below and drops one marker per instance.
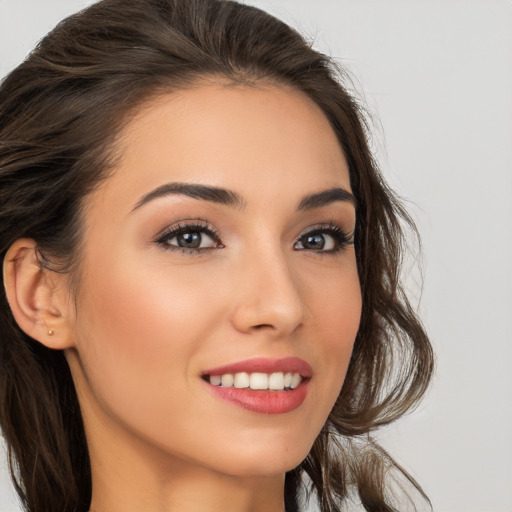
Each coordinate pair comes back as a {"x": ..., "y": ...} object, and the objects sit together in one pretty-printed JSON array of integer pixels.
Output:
[{"x": 244, "y": 138}]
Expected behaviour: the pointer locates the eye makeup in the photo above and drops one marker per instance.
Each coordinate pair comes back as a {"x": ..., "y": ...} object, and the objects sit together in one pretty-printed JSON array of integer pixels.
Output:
[
  {"x": 316, "y": 236},
  {"x": 197, "y": 235},
  {"x": 189, "y": 234}
]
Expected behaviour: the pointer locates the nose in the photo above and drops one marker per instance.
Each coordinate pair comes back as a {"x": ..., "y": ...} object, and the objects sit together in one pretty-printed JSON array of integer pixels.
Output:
[{"x": 268, "y": 295}]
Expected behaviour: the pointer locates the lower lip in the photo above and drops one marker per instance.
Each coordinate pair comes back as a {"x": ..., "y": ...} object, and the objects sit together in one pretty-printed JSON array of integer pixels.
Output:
[{"x": 263, "y": 402}]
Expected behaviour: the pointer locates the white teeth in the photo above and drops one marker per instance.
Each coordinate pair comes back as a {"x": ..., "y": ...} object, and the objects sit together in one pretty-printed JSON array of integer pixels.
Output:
[
  {"x": 277, "y": 381},
  {"x": 227, "y": 380},
  {"x": 216, "y": 380},
  {"x": 241, "y": 380},
  {"x": 296, "y": 380},
  {"x": 258, "y": 381}
]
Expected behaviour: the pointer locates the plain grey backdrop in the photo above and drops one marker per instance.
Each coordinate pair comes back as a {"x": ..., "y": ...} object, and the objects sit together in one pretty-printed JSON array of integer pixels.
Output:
[{"x": 437, "y": 76}]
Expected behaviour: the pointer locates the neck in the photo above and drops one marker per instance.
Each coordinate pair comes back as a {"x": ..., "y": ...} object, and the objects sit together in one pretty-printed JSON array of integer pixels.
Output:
[{"x": 188, "y": 491}]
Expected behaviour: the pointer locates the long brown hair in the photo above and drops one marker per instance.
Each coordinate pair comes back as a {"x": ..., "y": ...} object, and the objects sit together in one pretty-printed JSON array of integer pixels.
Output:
[{"x": 60, "y": 112}]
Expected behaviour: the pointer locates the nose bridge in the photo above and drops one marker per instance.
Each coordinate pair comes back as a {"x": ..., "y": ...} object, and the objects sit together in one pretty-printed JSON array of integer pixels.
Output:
[{"x": 269, "y": 292}]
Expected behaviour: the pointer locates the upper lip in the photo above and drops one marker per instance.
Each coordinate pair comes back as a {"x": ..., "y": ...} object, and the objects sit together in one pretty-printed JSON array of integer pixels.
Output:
[{"x": 265, "y": 365}]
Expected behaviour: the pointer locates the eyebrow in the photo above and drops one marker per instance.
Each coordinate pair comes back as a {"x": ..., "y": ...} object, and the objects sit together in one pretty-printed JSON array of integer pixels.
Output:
[
  {"x": 326, "y": 197},
  {"x": 230, "y": 198}
]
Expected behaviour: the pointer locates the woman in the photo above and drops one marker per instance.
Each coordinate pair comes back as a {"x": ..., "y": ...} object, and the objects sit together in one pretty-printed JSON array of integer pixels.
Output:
[{"x": 201, "y": 263}]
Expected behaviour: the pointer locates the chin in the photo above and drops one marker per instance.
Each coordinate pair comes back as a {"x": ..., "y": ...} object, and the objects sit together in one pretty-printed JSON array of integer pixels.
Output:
[{"x": 263, "y": 460}]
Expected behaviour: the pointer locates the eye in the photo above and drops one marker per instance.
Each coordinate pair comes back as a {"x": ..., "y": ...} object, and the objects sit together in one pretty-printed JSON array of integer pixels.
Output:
[
  {"x": 329, "y": 239},
  {"x": 190, "y": 237}
]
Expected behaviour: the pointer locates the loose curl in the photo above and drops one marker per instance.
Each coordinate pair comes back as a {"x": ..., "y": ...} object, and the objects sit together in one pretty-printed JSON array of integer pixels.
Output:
[{"x": 60, "y": 113}]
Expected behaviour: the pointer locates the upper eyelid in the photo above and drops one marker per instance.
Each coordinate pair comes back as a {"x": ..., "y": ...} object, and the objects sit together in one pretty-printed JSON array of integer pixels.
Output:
[
  {"x": 206, "y": 226},
  {"x": 325, "y": 227},
  {"x": 203, "y": 225},
  {"x": 328, "y": 227}
]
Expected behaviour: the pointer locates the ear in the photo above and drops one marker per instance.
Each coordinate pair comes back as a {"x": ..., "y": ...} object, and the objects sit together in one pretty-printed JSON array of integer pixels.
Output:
[{"x": 38, "y": 297}]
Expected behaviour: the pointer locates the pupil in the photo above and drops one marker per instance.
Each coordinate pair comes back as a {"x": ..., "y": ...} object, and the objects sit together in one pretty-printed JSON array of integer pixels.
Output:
[
  {"x": 189, "y": 240},
  {"x": 314, "y": 242}
]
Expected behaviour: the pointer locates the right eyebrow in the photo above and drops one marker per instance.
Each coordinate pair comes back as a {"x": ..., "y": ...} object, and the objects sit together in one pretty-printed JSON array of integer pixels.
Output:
[{"x": 196, "y": 191}]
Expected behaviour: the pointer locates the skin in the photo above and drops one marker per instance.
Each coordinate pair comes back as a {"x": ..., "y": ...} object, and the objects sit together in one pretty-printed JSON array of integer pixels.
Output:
[{"x": 150, "y": 320}]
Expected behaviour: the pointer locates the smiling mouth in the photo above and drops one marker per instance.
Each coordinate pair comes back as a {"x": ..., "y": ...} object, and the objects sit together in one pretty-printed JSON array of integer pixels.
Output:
[
  {"x": 258, "y": 381},
  {"x": 262, "y": 385}
]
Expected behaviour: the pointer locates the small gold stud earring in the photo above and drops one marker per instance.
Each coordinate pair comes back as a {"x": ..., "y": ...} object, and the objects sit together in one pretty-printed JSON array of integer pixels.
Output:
[{"x": 50, "y": 333}]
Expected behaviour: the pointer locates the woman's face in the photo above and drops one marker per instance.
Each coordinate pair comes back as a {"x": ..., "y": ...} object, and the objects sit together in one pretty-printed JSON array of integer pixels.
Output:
[{"x": 220, "y": 246}]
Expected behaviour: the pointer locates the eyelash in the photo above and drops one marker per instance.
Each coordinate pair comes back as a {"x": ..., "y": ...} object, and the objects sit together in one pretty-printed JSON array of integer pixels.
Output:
[
  {"x": 196, "y": 227},
  {"x": 341, "y": 238}
]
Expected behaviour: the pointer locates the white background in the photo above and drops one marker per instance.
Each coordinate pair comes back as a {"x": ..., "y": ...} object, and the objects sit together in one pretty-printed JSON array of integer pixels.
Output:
[{"x": 437, "y": 76}]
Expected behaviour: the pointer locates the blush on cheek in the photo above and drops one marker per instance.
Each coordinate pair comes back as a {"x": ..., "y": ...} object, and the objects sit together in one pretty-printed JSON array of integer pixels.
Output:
[
  {"x": 142, "y": 325},
  {"x": 340, "y": 324}
]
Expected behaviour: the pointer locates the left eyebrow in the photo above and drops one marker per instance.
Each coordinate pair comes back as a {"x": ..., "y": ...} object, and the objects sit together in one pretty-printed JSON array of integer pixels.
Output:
[
  {"x": 325, "y": 198},
  {"x": 233, "y": 199}
]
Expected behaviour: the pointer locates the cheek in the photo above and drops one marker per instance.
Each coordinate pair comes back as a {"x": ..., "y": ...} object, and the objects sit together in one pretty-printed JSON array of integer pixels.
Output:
[
  {"x": 337, "y": 312},
  {"x": 139, "y": 329},
  {"x": 336, "y": 300}
]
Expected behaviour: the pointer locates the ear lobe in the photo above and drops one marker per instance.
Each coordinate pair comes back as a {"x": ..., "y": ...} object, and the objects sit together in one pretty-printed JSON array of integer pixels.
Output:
[{"x": 36, "y": 296}]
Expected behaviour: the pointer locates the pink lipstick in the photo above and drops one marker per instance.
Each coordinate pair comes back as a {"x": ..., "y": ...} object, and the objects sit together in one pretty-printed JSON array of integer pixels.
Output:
[{"x": 267, "y": 386}]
